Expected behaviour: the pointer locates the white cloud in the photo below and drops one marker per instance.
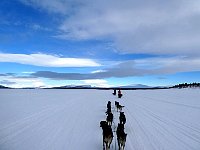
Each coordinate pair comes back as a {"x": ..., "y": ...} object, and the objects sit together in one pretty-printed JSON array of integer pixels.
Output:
[
  {"x": 97, "y": 82},
  {"x": 47, "y": 60},
  {"x": 153, "y": 27},
  {"x": 97, "y": 71},
  {"x": 157, "y": 27},
  {"x": 27, "y": 72}
]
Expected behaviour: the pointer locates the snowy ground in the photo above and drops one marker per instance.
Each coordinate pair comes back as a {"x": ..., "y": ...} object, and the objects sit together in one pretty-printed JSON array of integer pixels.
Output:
[{"x": 69, "y": 119}]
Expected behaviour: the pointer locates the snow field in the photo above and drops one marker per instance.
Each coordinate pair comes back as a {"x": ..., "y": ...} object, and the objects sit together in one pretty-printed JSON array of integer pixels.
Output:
[{"x": 69, "y": 119}]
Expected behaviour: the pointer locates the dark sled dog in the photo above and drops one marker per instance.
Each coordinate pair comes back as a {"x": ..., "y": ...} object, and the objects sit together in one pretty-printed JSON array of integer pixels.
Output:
[
  {"x": 108, "y": 107},
  {"x": 109, "y": 104},
  {"x": 121, "y": 136},
  {"x": 107, "y": 135},
  {"x": 122, "y": 118}
]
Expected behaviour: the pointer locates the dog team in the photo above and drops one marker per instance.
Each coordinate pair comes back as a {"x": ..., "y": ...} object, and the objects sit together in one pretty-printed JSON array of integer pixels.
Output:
[{"x": 107, "y": 127}]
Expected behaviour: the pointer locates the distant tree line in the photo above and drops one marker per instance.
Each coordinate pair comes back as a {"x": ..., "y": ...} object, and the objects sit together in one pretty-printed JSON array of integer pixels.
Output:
[{"x": 187, "y": 85}]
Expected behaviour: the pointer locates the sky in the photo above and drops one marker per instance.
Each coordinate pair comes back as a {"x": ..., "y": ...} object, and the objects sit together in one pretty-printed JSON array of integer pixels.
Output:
[{"x": 101, "y": 43}]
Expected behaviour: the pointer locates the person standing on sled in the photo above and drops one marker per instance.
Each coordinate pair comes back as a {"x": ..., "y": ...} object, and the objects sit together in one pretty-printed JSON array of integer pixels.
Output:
[{"x": 119, "y": 93}]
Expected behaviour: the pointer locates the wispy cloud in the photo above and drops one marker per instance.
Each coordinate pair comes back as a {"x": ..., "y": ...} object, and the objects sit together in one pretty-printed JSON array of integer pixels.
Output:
[
  {"x": 46, "y": 60},
  {"x": 53, "y": 6},
  {"x": 38, "y": 27}
]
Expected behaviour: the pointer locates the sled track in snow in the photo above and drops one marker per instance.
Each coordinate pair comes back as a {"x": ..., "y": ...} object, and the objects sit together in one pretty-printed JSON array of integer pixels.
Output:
[
  {"x": 164, "y": 126},
  {"x": 172, "y": 103},
  {"x": 114, "y": 127},
  {"x": 27, "y": 123}
]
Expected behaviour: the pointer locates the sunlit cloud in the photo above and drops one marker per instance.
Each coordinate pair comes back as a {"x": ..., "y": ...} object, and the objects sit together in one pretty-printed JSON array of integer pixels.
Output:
[
  {"x": 97, "y": 82},
  {"x": 27, "y": 72},
  {"x": 97, "y": 71},
  {"x": 45, "y": 60}
]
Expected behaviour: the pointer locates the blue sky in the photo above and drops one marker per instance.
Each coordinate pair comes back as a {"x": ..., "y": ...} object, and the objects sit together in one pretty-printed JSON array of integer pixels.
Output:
[{"x": 101, "y": 43}]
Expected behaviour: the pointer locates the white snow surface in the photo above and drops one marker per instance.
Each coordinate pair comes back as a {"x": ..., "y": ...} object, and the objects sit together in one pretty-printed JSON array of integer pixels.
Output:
[{"x": 44, "y": 119}]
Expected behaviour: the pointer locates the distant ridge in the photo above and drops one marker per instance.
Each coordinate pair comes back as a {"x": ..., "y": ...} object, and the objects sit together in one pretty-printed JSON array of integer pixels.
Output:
[
  {"x": 135, "y": 86},
  {"x": 76, "y": 86}
]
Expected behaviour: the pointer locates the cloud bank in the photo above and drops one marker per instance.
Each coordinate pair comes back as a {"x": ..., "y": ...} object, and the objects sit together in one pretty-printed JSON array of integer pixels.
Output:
[
  {"x": 133, "y": 68},
  {"x": 153, "y": 66},
  {"x": 142, "y": 27},
  {"x": 153, "y": 27}
]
